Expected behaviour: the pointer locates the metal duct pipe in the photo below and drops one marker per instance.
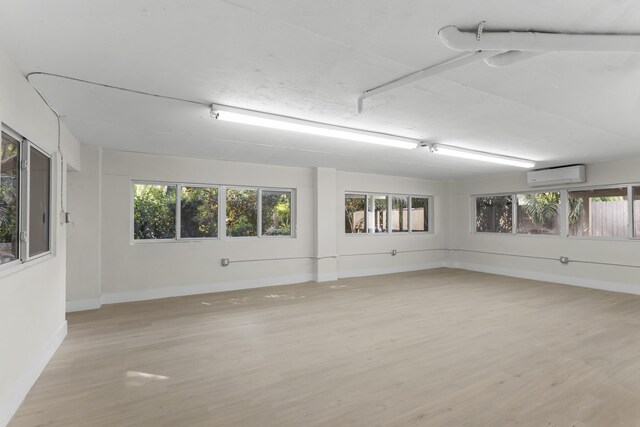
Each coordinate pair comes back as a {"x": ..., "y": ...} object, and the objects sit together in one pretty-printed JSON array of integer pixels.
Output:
[
  {"x": 537, "y": 42},
  {"x": 508, "y": 58}
]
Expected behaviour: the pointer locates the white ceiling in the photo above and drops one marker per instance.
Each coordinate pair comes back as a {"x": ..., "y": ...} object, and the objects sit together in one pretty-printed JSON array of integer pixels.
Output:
[{"x": 311, "y": 59}]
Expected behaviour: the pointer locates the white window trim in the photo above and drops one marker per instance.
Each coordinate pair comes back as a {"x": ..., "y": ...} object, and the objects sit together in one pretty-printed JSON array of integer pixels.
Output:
[
  {"x": 179, "y": 213},
  {"x": 390, "y": 232},
  {"x": 603, "y": 238},
  {"x": 562, "y": 223},
  {"x": 222, "y": 212},
  {"x": 564, "y": 212},
  {"x": 24, "y": 259},
  {"x": 52, "y": 183},
  {"x": 294, "y": 223}
]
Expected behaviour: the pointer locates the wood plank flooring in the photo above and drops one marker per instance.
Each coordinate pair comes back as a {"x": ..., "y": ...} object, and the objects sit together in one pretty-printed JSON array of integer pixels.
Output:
[{"x": 432, "y": 348}]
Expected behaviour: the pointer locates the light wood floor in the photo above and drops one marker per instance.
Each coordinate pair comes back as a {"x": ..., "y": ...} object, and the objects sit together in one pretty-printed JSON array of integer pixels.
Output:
[{"x": 436, "y": 348}]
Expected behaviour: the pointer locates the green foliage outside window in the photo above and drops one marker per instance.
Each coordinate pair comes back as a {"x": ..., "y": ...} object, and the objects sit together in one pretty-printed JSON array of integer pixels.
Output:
[
  {"x": 242, "y": 212},
  {"x": 276, "y": 213},
  {"x": 9, "y": 158},
  {"x": 494, "y": 214},
  {"x": 154, "y": 211},
  {"x": 198, "y": 212}
]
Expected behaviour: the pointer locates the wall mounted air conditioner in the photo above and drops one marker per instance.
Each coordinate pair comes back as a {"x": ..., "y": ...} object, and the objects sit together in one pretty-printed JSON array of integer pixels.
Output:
[{"x": 559, "y": 175}]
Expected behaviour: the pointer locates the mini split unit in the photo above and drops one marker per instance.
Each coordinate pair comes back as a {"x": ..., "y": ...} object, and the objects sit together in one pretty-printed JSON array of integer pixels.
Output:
[{"x": 573, "y": 174}]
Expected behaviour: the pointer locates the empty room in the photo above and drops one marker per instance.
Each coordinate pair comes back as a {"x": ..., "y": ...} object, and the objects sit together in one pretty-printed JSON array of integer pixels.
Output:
[{"x": 319, "y": 213}]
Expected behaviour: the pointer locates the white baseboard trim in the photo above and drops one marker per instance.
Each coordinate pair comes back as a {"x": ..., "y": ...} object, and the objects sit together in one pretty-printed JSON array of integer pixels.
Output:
[
  {"x": 553, "y": 278},
  {"x": 325, "y": 277},
  {"x": 16, "y": 394},
  {"x": 390, "y": 270},
  {"x": 83, "y": 304},
  {"x": 206, "y": 288}
]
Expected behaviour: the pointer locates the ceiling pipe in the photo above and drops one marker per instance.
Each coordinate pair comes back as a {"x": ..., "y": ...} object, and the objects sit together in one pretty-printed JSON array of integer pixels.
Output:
[
  {"x": 531, "y": 41},
  {"x": 508, "y": 58},
  {"x": 450, "y": 64}
]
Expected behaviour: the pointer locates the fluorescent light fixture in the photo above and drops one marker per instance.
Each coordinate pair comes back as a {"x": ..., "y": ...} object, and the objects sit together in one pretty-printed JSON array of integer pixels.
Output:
[
  {"x": 255, "y": 118},
  {"x": 463, "y": 153}
]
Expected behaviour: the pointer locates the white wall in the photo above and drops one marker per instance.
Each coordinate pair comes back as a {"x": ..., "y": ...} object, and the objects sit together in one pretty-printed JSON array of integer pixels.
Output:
[
  {"x": 126, "y": 271},
  {"x": 83, "y": 232},
  {"x": 349, "y": 245},
  {"x": 153, "y": 269},
  {"x": 584, "y": 249},
  {"x": 32, "y": 295}
]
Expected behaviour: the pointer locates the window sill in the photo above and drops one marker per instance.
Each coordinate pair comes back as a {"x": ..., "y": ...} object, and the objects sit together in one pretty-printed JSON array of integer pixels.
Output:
[{"x": 12, "y": 268}]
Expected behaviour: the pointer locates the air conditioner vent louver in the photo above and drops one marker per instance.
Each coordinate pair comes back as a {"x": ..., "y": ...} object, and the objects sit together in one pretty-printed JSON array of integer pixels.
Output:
[{"x": 555, "y": 176}]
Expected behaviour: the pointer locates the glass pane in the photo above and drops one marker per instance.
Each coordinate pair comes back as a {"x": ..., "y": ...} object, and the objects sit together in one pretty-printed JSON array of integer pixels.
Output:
[
  {"x": 419, "y": 214},
  {"x": 636, "y": 211},
  {"x": 154, "y": 211},
  {"x": 9, "y": 176},
  {"x": 198, "y": 212},
  {"x": 39, "y": 188},
  {"x": 399, "y": 213},
  {"x": 377, "y": 214},
  {"x": 539, "y": 213},
  {"x": 355, "y": 206},
  {"x": 276, "y": 213},
  {"x": 242, "y": 212},
  {"x": 598, "y": 213},
  {"x": 494, "y": 214}
]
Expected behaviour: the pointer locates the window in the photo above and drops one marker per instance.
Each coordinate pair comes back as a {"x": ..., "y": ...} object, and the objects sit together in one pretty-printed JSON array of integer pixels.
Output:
[
  {"x": 419, "y": 214},
  {"x": 400, "y": 214},
  {"x": 539, "y": 213},
  {"x": 369, "y": 213},
  {"x": 154, "y": 211},
  {"x": 355, "y": 220},
  {"x": 598, "y": 212},
  {"x": 494, "y": 214},
  {"x": 39, "y": 197},
  {"x": 377, "y": 215},
  {"x": 198, "y": 212},
  {"x": 9, "y": 193},
  {"x": 242, "y": 212},
  {"x": 636, "y": 211},
  {"x": 276, "y": 213},
  {"x": 161, "y": 210},
  {"x": 25, "y": 199}
]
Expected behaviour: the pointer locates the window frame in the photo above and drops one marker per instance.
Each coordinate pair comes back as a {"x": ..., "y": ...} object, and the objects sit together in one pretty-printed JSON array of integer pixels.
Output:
[
  {"x": 629, "y": 225},
  {"x": 179, "y": 212},
  {"x": 563, "y": 213},
  {"x": 222, "y": 212},
  {"x": 23, "y": 203},
  {"x": 389, "y": 196},
  {"x": 514, "y": 209},
  {"x": 27, "y": 185},
  {"x": 293, "y": 203},
  {"x": 132, "y": 194}
]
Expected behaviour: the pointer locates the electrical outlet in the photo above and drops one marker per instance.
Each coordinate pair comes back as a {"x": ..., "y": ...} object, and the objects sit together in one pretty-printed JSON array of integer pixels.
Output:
[
  {"x": 225, "y": 262},
  {"x": 564, "y": 259}
]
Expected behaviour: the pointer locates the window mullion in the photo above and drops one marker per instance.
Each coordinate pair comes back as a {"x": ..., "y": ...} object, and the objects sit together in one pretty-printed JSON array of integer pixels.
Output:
[
  {"x": 178, "y": 211},
  {"x": 259, "y": 213}
]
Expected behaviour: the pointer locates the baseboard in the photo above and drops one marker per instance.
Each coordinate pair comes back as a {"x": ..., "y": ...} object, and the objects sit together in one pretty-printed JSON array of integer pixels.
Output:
[
  {"x": 390, "y": 270},
  {"x": 207, "y": 288},
  {"x": 553, "y": 278},
  {"x": 12, "y": 401},
  {"x": 325, "y": 277},
  {"x": 83, "y": 304}
]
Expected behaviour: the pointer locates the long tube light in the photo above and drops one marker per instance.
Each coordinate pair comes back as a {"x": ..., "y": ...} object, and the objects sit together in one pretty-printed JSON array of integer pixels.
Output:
[
  {"x": 462, "y": 153},
  {"x": 273, "y": 121}
]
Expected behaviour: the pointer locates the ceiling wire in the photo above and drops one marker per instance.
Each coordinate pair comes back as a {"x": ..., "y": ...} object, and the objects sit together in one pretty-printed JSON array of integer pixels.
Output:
[
  {"x": 124, "y": 89},
  {"x": 62, "y": 211}
]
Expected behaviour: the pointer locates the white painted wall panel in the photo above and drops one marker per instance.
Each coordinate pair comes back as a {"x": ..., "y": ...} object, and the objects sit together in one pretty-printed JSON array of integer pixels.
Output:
[{"x": 32, "y": 295}]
